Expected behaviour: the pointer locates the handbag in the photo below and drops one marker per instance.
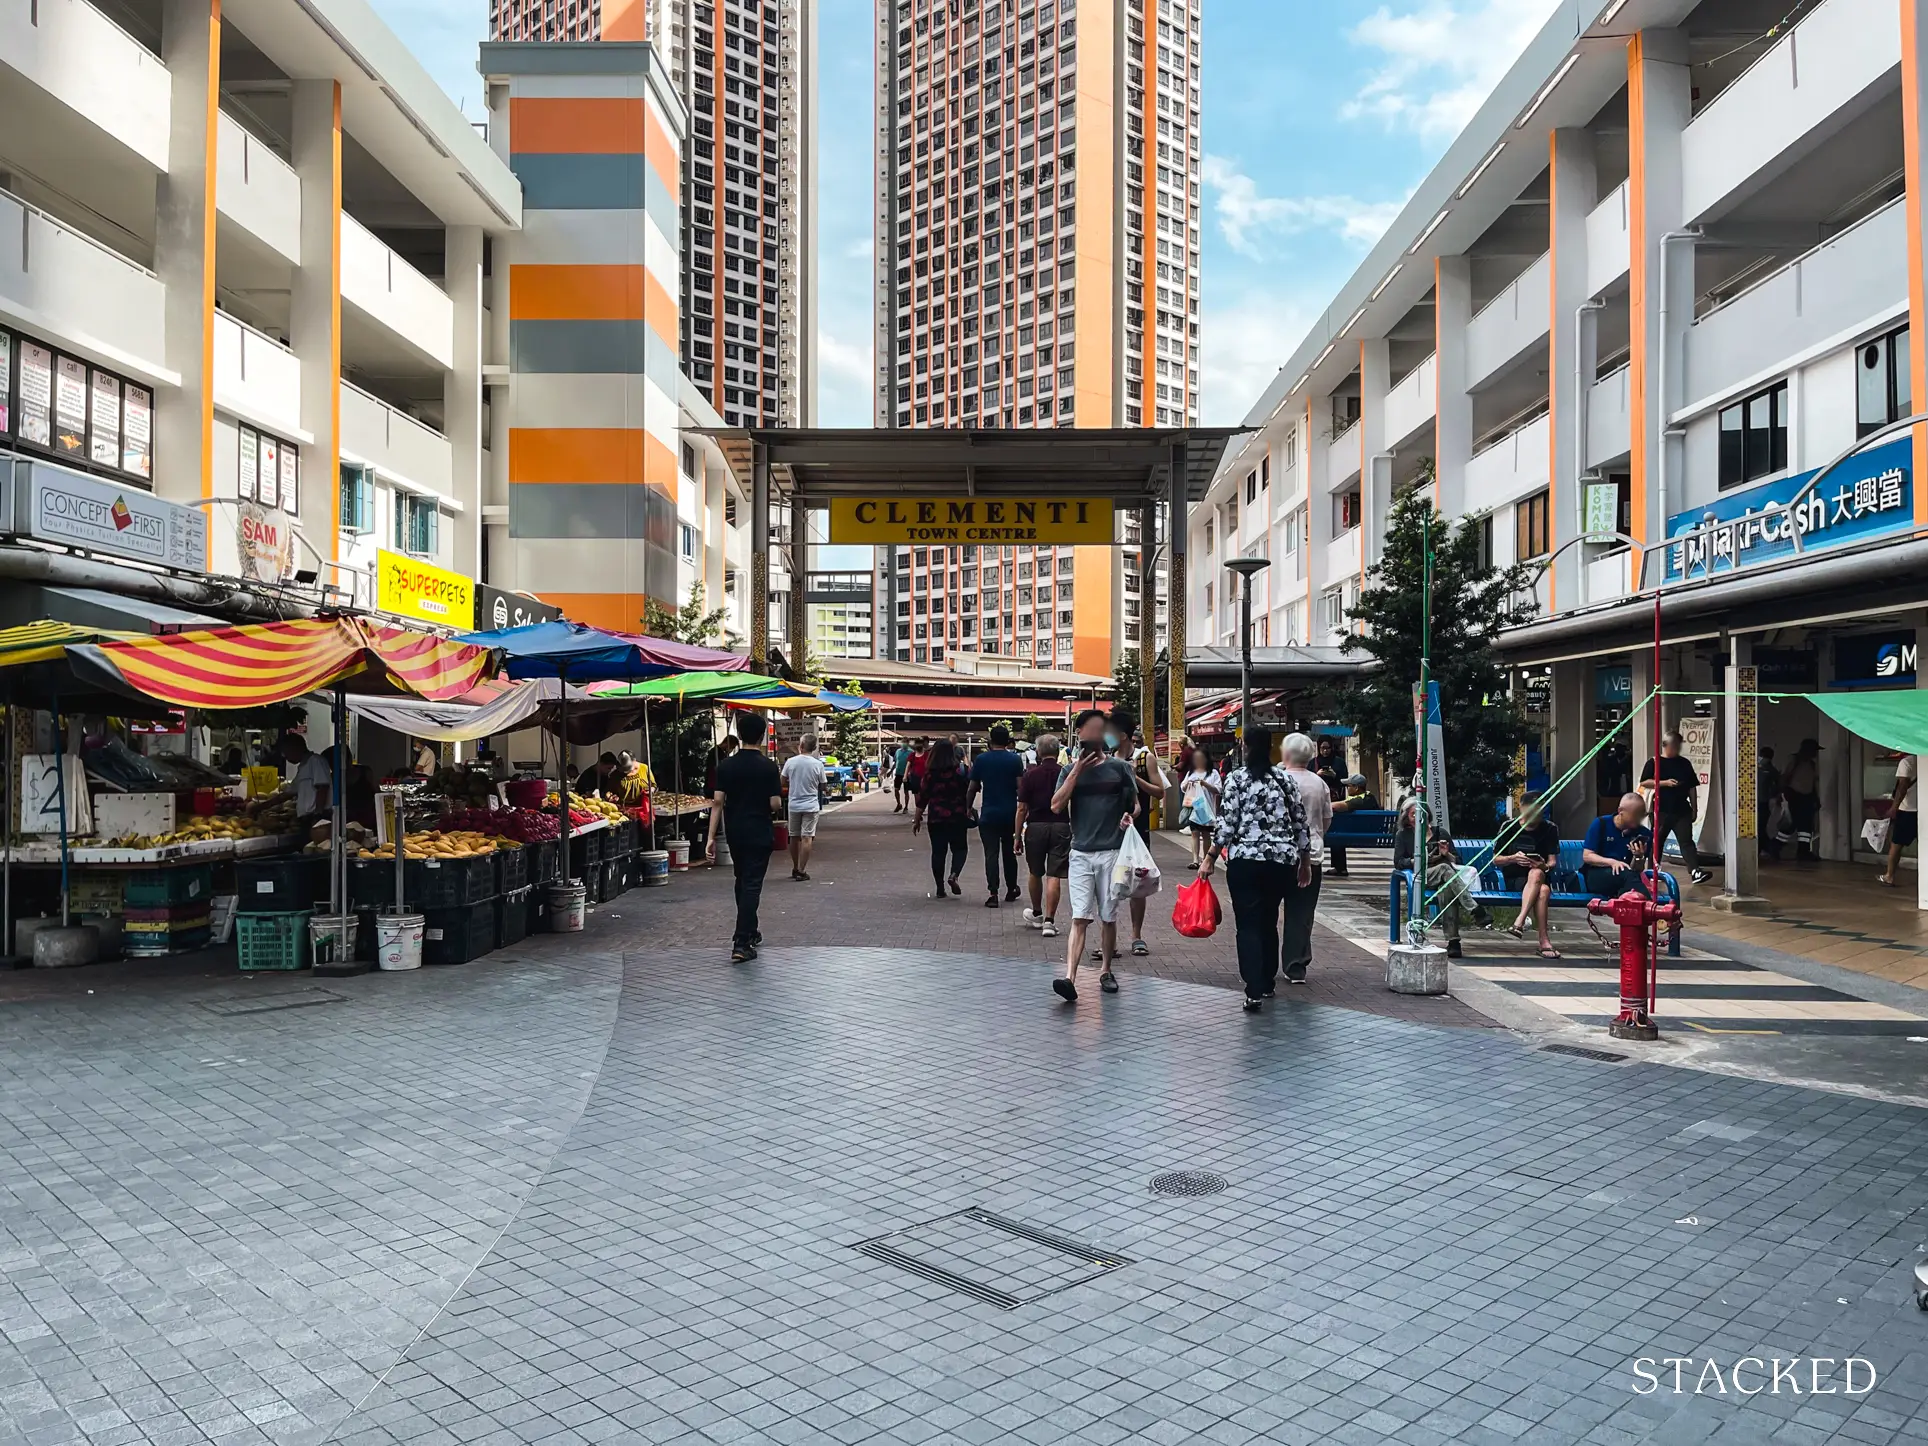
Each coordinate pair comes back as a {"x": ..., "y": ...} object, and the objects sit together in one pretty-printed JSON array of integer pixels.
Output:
[{"x": 1196, "y": 912}]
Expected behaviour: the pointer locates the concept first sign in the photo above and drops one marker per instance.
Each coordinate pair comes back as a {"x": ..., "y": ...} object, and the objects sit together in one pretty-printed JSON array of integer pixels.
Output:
[{"x": 962, "y": 520}]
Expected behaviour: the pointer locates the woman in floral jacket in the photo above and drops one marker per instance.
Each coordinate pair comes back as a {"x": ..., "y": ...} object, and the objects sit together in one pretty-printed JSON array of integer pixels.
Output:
[{"x": 1267, "y": 848}]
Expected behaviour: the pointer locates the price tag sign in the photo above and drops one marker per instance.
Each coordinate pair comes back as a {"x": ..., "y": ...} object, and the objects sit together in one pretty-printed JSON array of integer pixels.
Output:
[
  {"x": 40, "y": 795},
  {"x": 260, "y": 781}
]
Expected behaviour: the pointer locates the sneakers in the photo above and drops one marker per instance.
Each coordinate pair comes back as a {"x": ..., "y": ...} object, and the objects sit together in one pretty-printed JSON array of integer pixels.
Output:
[
  {"x": 1033, "y": 919},
  {"x": 1453, "y": 949},
  {"x": 991, "y": 903},
  {"x": 1700, "y": 876},
  {"x": 742, "y": 953},
  {"x": 1011, "y": 894},
  {"x": 1049, "y": 929}
]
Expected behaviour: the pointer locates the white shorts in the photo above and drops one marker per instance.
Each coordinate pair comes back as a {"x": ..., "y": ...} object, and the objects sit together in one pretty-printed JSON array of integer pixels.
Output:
[
  {"x": 1091, "y": 886},
  {"x": 803, "y": 825}
]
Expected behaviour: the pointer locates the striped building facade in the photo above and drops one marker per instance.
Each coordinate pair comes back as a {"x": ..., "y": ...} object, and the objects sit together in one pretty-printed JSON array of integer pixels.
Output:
[{"x": 587, "y": 475}]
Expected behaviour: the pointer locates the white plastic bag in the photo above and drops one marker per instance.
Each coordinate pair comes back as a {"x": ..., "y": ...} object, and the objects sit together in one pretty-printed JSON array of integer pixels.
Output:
[
  {"x": 1875, "y": 833},
  {"x": 1134, "y": 873}
]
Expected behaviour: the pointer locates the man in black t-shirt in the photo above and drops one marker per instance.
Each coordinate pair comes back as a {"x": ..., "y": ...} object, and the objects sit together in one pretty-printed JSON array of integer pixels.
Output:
[
  {"x": 1675, "y": 802},
  {"x": 749, "y": 791},
  {"x": 1532, "y": 854}
]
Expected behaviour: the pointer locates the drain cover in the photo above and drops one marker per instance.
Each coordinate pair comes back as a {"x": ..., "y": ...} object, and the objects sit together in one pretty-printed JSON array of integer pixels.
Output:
[
  {"x": 1604, "y": 1056},
  {"x": 1187, "y": 1182},
  {"x": 988, "y": 1257},
  {"x": 265, "y": 1003}
]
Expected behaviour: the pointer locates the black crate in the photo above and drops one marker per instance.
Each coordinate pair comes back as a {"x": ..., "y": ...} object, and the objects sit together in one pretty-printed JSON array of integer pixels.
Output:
[
  {"x": 457, "y": 935},
  {"x": 622, "y": 839},
  {"x": 542, "y": 861},
  {"x": 371, "y": 884},
  {"x": 615, "y": 878},
  {"x": 511, "y": 869},
  {"x": 586, "y": 851},
  {"x": 281, "y": 885},
  {"x": 448, "y": 883},
  {"x": 512, "y": 916}
]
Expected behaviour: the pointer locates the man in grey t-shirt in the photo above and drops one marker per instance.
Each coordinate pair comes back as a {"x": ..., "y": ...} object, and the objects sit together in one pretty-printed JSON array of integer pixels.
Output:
[{"x": 1098, "y": 793}]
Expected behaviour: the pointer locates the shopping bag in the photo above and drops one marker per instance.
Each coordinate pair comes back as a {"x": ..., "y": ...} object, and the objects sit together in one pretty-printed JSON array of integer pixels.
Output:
[
  {"x": 1202, "y": 810},
  {"x": 1875, "y": 833},
  {"x": 1196, "y": 912},
  {"x": 1134, "y": 874}
]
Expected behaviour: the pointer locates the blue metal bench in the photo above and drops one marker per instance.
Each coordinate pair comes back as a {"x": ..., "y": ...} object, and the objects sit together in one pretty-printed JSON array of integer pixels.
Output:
[
  {"x": 1568, "y": 881},
  {"x": 1365, "y": 828}
]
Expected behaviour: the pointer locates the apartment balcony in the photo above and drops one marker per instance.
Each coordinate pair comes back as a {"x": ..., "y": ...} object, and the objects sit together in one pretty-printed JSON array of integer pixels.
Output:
[
  {"x": 1609, "y": 251},
  {"x": 1511, "y": 323},
  {"x": 1610, "y": 418},
  {"x": 1610, "y": 577},
  {"x": 69, "y": 289},
  {"x": 1342, "y": 458},
  {"x": 256, "y": 377},
  {"x": 1820, "y": 75},
  {"x": 1412, "y": 405},
  {"x": 1857, "y": 278},
  {"x": 1288, "y": 490},
  {"x": 1343, "y": 557},
  {"x": 68, "y": 51},
  {"x": 393, "y": 297},
  {"x": 257, "y": 190},
  {"x": 1516, "y": 466},
  {"x": 402, "y": 449}
]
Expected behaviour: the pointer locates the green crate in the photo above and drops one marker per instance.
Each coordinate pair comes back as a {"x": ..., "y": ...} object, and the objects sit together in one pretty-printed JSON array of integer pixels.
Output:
[
  {"x": 181, "y": 884},
  {"x": 273, "y": 941}
]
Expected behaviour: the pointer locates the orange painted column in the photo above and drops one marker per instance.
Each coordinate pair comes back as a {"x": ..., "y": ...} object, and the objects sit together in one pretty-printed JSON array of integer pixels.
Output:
[
  {"x": 1659, "y": 100},
  {"x": 1914, "y": 114}
]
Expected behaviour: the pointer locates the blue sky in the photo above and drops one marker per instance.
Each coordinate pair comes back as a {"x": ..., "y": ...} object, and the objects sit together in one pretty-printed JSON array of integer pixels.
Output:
[{"x": 1320, "y": 116}]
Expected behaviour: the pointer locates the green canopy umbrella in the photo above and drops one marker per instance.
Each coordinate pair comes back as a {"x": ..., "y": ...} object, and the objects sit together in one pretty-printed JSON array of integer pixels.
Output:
[{"x": 686, "y": 687}]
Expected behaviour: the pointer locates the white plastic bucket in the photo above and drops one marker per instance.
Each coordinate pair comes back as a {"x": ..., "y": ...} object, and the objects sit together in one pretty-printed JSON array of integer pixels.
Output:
[
  {"x": 566, "y": 908},
  {"x": 655, "y": 865},
  {"x": 333, "y": 937},
  {"x": 398, "y": 940},
  {"x": 679, "y": 855}
]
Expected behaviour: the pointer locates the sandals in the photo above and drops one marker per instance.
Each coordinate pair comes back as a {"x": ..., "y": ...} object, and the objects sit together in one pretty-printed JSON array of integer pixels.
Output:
[
  {"x": 1108, "y": 982},
  {"x": 1140, "y": 949},
  {"x": 1516, "y": 931},
  {"x": 1547, "y": 951}
]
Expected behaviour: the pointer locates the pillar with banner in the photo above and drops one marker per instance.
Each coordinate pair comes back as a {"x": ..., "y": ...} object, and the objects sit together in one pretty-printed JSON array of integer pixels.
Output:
[
  {"x": 1740, "y": 775},
  {"x": 760, "y": 557},
  {"x": 1177, "y": 524}
]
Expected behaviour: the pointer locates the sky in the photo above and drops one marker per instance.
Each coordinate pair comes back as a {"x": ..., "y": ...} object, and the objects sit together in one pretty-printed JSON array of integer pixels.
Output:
[{"x": 1320, "y": 116}]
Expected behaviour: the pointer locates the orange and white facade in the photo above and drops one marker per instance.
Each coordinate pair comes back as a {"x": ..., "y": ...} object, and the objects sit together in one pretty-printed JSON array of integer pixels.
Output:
[{"x": 1037, "y": 265}]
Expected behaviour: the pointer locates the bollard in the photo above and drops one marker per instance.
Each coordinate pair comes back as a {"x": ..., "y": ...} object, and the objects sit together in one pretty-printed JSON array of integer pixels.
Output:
[{"x": 1635, "y": 914}]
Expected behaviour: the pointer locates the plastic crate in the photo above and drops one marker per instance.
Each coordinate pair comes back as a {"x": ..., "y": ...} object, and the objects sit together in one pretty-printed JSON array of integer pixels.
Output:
[
  {"x": 586, "y": 850},
  {"x": 511, "y": 869},
  {"x": 448, "y": 883},
  {"x": 457, "y": 935},
  {"x": 371, "y": 884},
  {"x": 159, "y": 946},
  {"x": 272, "y": 941},
  {"x": 277, "y": 885},
  {"x": 542, "y": 861},
  {"x": 621, "y": 839},
  {"x": 615, "y": 878},
  {"x": 512, "y": 916},
  {"x": 185, "y": 884}
]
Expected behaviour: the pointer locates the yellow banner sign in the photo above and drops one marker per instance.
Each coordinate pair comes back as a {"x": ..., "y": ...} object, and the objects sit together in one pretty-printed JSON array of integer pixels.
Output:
[
  {"x": 411, "y": 588},
  {"x": 960, "y": 520}
]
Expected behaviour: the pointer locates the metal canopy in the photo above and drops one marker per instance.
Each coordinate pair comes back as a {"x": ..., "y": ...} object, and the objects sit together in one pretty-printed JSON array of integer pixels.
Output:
[{"x": 1131, "y": 465}]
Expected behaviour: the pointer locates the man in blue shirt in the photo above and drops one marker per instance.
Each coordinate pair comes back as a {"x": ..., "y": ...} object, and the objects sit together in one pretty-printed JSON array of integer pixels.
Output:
[
  {"x": 1616, "y": 849},
  {"x": 994, "y": 792}
]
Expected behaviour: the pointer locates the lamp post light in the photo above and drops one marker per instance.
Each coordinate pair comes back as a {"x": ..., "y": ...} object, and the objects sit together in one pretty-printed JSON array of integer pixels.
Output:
[{"x": 1247, "y": 568}]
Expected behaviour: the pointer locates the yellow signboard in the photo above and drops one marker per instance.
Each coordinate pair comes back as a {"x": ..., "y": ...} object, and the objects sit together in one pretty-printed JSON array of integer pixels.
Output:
[
  {"x": 261, "y": 781},
  {"x": 962, "y": 520},
  {"x": 411, "y": 588}
]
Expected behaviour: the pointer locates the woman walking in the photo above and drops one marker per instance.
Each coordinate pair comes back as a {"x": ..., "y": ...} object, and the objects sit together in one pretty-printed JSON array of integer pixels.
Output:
[
  {"x": 943, "y": 795},
  {"x": 1262, "y": 835},
  {"x": 1198, "y": 799}
]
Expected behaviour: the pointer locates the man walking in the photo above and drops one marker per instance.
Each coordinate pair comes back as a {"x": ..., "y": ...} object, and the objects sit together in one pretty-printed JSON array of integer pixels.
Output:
[
  {"x": 1151, "y": 782},
  {"x": 900, "y": 773},
  {"x": 803, "y": 776},
  {"x": 1099, "y": 793},
  {"x": 1676, "y": 802},
  {"x": 994, "y": 792},
  {"x": 749, "y": 791},
  {"x": 1047, "y": 837}
]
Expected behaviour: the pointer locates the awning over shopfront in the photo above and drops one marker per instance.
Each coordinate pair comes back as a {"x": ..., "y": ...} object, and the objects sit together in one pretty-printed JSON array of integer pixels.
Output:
[
  {"x": 1896, "y": 720},
  {"x": 1274, "y": 668},
  {"x": 97, "y": 609},
  {"x": 1013, "y": 708},
  {"x": 1215, "y": 715}
]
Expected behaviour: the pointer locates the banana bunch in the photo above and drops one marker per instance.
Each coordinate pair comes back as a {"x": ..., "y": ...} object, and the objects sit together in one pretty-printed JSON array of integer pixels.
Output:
[
  {"x": 589, "y": 803},
  {"x": 440, "y": 846},
  {"x": 196, "y": 830}
]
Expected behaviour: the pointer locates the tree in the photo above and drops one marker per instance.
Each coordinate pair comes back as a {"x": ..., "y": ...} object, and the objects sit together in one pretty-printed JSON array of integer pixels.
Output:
[
  {"x": 1127, "y": 685},
  {"x": 1033, "y": 726},
  {"x": 1472, "y": 603},
  {"x": 690, "y": 737},
  {"x": 688, "y": 624},
  {"x": 851, "y": 733}
]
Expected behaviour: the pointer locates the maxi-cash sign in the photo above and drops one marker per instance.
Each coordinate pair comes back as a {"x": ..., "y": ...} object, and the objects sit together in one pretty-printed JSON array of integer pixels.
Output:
[
  {"x": 962, "y": 520},
  {"x": 410, "y": 588}
]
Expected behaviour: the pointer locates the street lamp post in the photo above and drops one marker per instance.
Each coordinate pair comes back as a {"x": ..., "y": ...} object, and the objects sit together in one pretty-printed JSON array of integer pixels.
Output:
[{"x": 1247, "y": 568}]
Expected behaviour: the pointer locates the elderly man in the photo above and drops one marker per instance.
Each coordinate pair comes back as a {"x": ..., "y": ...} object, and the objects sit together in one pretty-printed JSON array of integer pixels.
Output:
[
  {"x": 1303, "y": 902},
  {"x": 1616, "y": 850}
]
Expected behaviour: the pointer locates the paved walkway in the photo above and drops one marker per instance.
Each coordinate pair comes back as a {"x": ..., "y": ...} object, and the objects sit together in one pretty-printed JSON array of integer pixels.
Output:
[{"x": 606, "y": 1187}]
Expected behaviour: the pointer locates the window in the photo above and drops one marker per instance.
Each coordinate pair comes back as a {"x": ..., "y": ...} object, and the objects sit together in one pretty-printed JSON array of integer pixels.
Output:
[
  {"x": 1753, "y": 437},
  {"x": 1209, "y": 590},
  {"x": 686, "y": 541},
  {"x": 1332, "y": 610},
  {"x": 357, "y": 499},
  {"x": 1208, "y": 537},
  {"x": 1881, "y": 382},
  {"x": 1483, "y": 533},
  {"x": 1251, "y": 487},
  {"x": 1349, "y": 510},
  {"x": 416, "y": 520},
  {"x": 1532, "y": 526}
]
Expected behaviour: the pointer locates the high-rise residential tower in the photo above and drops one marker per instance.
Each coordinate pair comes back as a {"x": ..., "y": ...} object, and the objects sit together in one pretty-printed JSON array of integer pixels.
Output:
[
  {"x": 1037, "y": 245},
  {"x": 746, "y": 71}
]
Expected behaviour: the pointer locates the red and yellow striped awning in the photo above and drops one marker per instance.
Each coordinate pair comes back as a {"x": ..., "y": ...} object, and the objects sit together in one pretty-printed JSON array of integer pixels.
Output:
[{"x": 263, "y": 663}]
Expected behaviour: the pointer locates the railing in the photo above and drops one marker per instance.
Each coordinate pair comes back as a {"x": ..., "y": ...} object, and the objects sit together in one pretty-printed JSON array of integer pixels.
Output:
[
  {"x": 256, "y": 373},
  {"x": 257, "y": 189},
  {"x": 1412, "y": 403},
  {"x": 390, "y": 291},
  {"x": 1511, "y": 322},
  {"x": 394, "y": 442},
  {"x": 1342, "y": 458},
  {"x": 83, "y": 288}
]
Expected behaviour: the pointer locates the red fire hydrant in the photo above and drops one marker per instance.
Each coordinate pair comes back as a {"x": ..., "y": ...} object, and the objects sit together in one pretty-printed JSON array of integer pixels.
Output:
[{"x": 1636, "y": 915}]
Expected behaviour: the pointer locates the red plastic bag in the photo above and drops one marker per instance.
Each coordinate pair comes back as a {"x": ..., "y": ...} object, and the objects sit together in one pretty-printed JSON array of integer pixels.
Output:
[{"x": 1196, "y": 912}]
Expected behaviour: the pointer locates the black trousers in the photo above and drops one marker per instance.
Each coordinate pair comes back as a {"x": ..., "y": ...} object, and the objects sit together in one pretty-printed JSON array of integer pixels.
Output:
[
  {"x": 751, "y": 864},
  {"x": 1259, "y": 891},
  {"x": 1300, "y": 905},
  {"x": 1000, "y": 842},
  {"x": 952, "y": 840},
  {"x": 1680, "y": 828}
]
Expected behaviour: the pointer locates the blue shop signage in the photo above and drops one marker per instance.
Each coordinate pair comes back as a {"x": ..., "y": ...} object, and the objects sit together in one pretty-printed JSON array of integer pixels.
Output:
[{"x": 1868, "y": 496}]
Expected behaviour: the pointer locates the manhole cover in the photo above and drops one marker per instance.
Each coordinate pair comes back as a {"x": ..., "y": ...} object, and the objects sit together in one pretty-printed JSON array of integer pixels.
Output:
[
  {"x": 1604, "y": 1056},
  {"x": 265, "y": 1003},
  {"x": 1187, "y": 1182},
  {"x": 988, "y": 1257}
]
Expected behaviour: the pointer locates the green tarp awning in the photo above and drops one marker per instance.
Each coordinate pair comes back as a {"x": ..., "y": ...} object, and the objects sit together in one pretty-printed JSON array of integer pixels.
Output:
[{"x": 1897, "y": 720}]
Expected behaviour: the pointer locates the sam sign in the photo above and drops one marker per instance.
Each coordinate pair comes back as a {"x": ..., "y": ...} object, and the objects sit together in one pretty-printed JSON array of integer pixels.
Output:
[
  {"x": 961, "y": 521},
  {"x": 410, "y": 588}
]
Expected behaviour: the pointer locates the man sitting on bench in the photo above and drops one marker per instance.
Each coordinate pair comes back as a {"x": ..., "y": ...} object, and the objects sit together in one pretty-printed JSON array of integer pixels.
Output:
[{"x": 1615, "y": 850}]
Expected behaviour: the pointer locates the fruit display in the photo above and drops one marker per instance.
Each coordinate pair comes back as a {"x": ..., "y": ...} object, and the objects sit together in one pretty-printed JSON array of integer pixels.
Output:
[
  {"x": 673, "y": 803},
  {"x": 438, "y": 845},
  {"x": 269, "y": 823},
  {"x": 520, "y": 825},
  {"x": 587, "y": 808}
]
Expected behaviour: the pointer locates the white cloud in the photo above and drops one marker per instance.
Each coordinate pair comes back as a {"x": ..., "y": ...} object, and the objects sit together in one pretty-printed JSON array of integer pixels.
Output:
[
  {"x": 1245, "y": 217},
  {"x": 1439, "y": 59},
  {"x": 846, "y": 376},
  {"x": 1244, "y": 343}
]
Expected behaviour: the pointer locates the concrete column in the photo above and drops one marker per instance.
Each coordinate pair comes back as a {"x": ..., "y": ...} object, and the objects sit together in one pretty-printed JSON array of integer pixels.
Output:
[
  {"x": 462, "y": 389},
  {"x": 184, "y": 250},
  {"x": 799, "y": 622},
  {"x": 1321, "y": 511},
  {"x": 1178, "y": 522},
  {"x": 1575, "y": 191},
  {"x": 1740, "y": 763},
  {"x": 1375, "y": 464},
  {"x": 1659, "y": 105},
  {"x": 1147, "y": 624},
  {"x": 760, "y": 556},
  {"x": 314, "y": 305},
  {"x": 1453, "y": 428},
  {"x": 716, "y": 531}
]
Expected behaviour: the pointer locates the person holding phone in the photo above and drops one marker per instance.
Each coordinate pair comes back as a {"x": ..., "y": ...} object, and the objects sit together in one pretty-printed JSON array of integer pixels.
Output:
[
  {"x": 1615, "y": 850},
  {"x": 1534, "y": 855}
]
